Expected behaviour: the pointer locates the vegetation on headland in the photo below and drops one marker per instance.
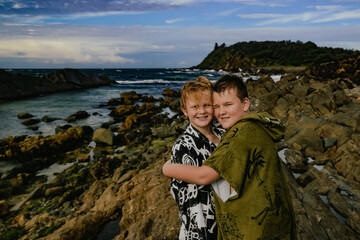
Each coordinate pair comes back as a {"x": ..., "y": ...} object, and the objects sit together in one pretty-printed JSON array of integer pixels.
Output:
[{"x": 254, "y": 54}]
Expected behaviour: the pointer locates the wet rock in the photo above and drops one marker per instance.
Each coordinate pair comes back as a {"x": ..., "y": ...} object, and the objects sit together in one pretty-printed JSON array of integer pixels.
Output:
[
  {"x": 171, "y": 93},
  {"x": 46, "y": 147},
  {"x": 148, "y": 99},
  {"x": 24, "y": 115},
  {"x": 107, "y": 124},
  {"x": 121, "y": 112},
  {"x": 130, "y": 97},
  {"x": 103, "y": 135},
  {"x": 115, "y": 102},
  {"x": 31, "y": 121},
  {"x": 48, "y": 119},
  {"x": 77, "y": 116},
  {"x": 63, "y": 128}
]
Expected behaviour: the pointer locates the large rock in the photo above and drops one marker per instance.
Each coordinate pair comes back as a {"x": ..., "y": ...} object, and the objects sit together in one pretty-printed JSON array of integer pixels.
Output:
[
  {"x": 307, "y": 138},
  {"x": 15, "y": 86},
  {"x": 142, "y": 199},
  {"x": 45, "y": 147}
]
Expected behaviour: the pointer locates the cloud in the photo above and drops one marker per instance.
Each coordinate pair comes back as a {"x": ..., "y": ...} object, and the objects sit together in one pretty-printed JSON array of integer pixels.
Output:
[
  {"x": 138, "y": 46},
  {"x": 174, "y": 20},
  {"x": 63, "y": 50},
  {"x": 50, "y": 7},
  {"x": 323, "y": 13},
  {"x": 228, "y": 12},
  {"x": 327, "y": 7},
  {"x": 260, "y": 15},
  {"x": 309, "y": 17},
  {"x": 353, "y": 14},
  {"x": 19, "y": 6},
  {"x": 272, "y": 3}
]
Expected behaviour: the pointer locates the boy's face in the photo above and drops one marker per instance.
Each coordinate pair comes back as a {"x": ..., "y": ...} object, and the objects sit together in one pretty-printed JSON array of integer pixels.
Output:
[
  {"x": 228, "y": 108},
  {"x": 199, "y": 110}
]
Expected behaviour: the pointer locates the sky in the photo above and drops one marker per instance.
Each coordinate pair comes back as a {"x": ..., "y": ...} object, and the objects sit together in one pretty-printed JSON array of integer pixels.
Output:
[{"x": 161, "y": 33}]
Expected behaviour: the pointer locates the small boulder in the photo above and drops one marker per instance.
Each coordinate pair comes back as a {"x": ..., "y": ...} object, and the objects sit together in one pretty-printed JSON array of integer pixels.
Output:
[
  {"x": 48, "y": 119},
  {"x": 55, "y": 191},
  {"x": 4, "y": 208},
  {"x": 103, "y": 135},
  {"x": 77, "y": 116},
  {"x": 31, "y": 121},
  {"x": 24, "y": 115}
]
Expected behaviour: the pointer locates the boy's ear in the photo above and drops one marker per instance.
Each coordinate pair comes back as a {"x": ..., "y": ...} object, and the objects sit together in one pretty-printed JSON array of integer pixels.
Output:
[
  {"x": 184, "y": 111},
  {"x": 246, "y": 102}
]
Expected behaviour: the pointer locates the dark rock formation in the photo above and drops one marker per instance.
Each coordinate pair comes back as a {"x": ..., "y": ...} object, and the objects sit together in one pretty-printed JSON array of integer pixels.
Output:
[
  {"x": 171, "y": 93},
  {"x": 16, "y": 86},
  {"x": 77, "y": 116}
]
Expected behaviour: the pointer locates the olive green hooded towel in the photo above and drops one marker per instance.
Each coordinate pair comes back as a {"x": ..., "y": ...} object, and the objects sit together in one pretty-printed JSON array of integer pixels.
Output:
[{"x": 248, "y": 160}]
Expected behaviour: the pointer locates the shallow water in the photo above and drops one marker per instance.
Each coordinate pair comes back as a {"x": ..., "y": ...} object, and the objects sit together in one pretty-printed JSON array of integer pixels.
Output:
[{"x": 51, "y": 171}]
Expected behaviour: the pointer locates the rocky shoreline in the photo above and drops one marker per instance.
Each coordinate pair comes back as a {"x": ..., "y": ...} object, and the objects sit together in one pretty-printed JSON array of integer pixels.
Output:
[
  {"x": 17, "y": 86},
  {"x": 115, "y": 177}
]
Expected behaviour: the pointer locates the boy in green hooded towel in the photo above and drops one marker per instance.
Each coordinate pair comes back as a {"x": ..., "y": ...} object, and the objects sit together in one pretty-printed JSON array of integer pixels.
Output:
[{"x": 252, "y": 200}]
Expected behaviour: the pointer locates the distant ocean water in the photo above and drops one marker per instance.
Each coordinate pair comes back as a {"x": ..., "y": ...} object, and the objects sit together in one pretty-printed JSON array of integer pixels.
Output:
[{"x": 61, "y": 105}]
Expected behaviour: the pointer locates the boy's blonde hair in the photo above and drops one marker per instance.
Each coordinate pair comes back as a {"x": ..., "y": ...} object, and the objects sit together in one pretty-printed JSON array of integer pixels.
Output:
[{"x": 200, "y": 85}]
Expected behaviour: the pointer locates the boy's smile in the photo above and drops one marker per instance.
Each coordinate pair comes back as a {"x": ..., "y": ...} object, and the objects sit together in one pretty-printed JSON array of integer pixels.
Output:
[{"x": 228, "y": 108}]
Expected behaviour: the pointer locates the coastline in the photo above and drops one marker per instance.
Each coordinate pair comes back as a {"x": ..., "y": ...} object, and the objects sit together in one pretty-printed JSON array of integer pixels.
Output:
[{"x": 120, "y": 178}]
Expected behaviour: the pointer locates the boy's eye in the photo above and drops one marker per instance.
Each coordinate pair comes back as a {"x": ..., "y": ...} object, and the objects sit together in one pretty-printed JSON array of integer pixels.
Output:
[
  {"x": 215, "y": 106},
  {"x": 195, "y": 107}
]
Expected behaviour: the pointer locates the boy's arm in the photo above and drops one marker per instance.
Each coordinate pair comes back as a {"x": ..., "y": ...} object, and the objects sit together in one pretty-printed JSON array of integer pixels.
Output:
[{"x": 191, "y": 174}]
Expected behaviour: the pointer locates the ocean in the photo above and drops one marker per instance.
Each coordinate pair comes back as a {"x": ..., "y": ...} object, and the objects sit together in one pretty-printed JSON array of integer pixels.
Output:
[{"x": 61, "y": 105}]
